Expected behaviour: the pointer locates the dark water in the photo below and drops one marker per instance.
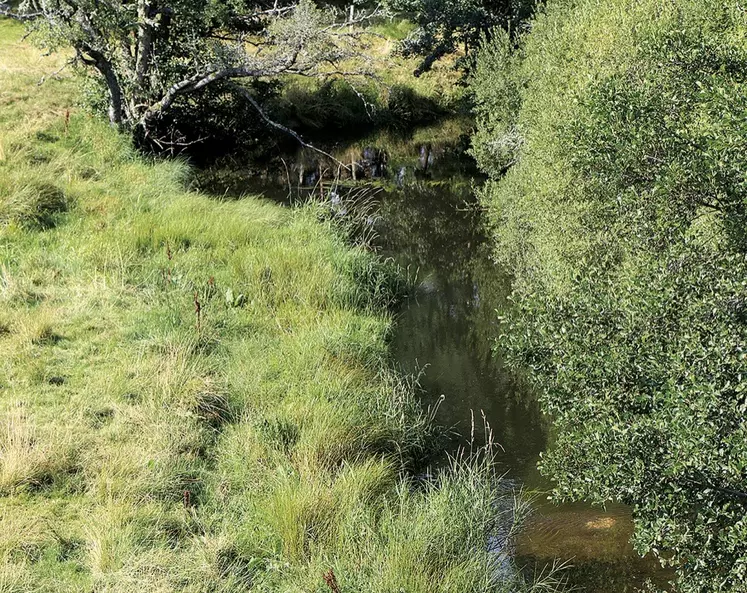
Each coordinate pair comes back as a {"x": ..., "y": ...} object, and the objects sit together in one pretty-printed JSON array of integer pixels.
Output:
[
  {"x": 445, "y": 332},
  {"x": 425, "y": 216}
]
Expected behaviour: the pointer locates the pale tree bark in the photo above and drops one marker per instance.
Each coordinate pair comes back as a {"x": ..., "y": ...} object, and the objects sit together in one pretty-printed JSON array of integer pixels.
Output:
[
  {"x": 97, "y": 60},
  {"x": 146, "y": 14},
  {"x": 124, "y": 41}
]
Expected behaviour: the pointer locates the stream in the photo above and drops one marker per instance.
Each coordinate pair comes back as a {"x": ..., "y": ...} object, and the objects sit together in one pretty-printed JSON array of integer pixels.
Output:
[
  {"x": 426, "y": 217},
  {"x": 445, "y": 333}
]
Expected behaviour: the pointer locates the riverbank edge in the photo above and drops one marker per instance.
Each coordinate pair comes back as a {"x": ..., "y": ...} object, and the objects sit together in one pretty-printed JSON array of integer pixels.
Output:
[{"x": 197, "y": 390}]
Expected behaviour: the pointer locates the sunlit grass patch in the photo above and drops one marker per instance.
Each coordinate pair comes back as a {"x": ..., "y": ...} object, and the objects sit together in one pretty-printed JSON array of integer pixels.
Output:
[
  {"x": 204, "y": 398},
  {"x": 30, "y": 459}
]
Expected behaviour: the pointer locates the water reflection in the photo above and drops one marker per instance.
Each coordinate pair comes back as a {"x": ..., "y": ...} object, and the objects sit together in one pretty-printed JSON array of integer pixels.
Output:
[
  {"x": 446, "y": 331},
  {"x": 596, "y": 540}
]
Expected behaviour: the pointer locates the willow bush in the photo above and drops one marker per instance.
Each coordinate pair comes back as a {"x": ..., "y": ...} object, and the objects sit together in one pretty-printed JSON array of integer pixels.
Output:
[{"x": 616, "y": 139}]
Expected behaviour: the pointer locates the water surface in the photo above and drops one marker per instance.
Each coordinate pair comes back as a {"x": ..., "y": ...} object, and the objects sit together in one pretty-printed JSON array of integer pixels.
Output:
[{"x": 445, "y": 332}]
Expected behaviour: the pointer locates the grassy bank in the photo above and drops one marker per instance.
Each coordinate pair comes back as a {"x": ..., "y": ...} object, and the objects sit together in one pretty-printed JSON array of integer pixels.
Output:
[{"x": 194, "y": 394}]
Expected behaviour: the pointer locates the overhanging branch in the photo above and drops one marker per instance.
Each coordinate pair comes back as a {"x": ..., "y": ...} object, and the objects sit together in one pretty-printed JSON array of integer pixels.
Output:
[
  {"x": 201, "y": 80},
  {"x": 7, "y": 11},
  {"x": 278, "y": 126}
]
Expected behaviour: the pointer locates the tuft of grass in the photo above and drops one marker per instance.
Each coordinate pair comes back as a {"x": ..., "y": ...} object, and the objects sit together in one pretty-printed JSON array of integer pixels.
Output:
[
  {"x": 36, "y": 205},
  {"x": 28, "y": 459}
]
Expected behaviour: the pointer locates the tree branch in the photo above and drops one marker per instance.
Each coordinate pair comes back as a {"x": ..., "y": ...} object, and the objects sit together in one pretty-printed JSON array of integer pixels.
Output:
[
  {"x": 146, "y": 11},
  {"x": 56, "y": 73},
  {"x": 269, "y": 121},
  {"x": 104, "y": 66},
  {"x": 7, "y": 11},
  {"x": 203, "y": 79},
  {"x": 194, "y": 83}
]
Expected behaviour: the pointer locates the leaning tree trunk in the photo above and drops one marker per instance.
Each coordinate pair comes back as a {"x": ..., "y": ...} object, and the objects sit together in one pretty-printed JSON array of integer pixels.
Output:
[{"x": 106, "y": 69}]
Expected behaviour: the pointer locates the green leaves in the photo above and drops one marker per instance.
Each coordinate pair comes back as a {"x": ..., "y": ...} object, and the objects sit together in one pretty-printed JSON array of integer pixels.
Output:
[
  {"x": 623, "y": 218},
  {"x": 446, "y": 26}
]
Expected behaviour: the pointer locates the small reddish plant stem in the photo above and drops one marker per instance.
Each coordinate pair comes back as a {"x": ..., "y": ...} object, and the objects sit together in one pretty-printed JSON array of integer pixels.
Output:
[
  {"x": 198, "y": 312},
  {"x": 331, "y": 580}
]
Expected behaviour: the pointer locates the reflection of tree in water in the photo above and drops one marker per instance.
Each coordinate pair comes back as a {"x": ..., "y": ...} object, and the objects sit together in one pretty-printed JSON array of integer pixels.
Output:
[
  {"x": 431, "y": 226},
  {"x": 450, "y": 323}
]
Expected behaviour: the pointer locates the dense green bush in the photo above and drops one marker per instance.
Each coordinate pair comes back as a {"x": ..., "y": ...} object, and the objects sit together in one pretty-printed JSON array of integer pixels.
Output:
[{"x": 617, "y": 141}]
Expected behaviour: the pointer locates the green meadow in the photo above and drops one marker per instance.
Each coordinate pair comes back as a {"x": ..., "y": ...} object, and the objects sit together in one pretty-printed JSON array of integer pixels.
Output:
[{"x": 196, "y": 394}]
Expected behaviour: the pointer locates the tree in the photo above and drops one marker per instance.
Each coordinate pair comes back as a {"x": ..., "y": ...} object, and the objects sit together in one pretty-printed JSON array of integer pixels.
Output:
[
  {"x": 149, "y": 54},
  {"x": 616, "y": 140},
  {"x": 444, "y": 26}
]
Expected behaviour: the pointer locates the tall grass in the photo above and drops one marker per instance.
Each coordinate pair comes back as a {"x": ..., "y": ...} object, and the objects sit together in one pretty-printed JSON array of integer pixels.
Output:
[{"x": 159, "y": 433}]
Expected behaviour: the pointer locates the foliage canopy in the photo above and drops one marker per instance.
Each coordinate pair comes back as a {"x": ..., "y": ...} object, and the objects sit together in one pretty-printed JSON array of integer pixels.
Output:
[
  {"x": 617, "y": 143},
  {"x": 445, "y": 26},
  {"x": 147, "y": 56}
]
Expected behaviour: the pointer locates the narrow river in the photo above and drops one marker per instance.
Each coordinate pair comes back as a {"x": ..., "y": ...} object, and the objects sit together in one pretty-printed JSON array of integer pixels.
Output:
[
  {"x": 445, "y": 332},
  {"x": 429, "y": 222}
]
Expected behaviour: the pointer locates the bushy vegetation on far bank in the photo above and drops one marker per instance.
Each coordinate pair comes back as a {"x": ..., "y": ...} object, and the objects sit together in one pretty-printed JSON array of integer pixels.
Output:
[
  {"x": 617, "y": 142},
  {"x": 194, "y": 392}
]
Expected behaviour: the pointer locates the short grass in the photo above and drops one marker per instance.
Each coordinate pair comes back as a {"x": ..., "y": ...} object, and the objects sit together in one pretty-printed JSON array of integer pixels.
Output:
[
  {"x": 193, "y": 393},
  {"x": 394, "y": 28}
]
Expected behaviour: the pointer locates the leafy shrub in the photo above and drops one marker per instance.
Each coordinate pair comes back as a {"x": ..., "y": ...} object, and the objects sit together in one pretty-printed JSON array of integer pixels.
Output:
[{"x": 622, "y": 214}]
